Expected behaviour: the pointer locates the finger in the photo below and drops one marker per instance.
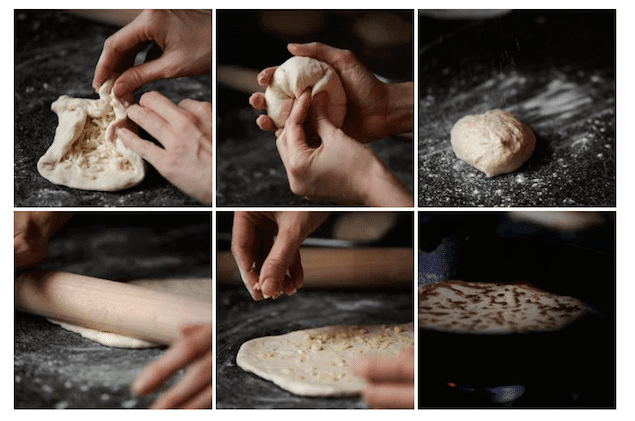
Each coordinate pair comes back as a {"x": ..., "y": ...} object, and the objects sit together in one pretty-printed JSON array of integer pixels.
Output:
[
  {"x": 202, "y": 110},
  {"x": 319, "y": 117},
  {"x": 319, "y": 51},
  {"x": 148, "y": 150},
  {"x": 296, "y": 275},
  {"x": 140, "y": 75},
  {"x": 274, "y": 269},
  {"x": 265, "y": 123},
  {"x": 161, "y": 105},
  {"x": 120, "y": 47},
  {"x": 28, "y": 253},
  {"x": 295, "y": 136},
  {"x": 300, "y": 109},
  {"x": 389, "y": 396},
  {"x": 380, "y": 369},
  {"x": 185, "y": 350},
  {"x": 265, "y": 76},
  {"x": 257, "y": 101},
  {"x": 202, "y": 400},
  {"x": 196, "y": 380},
  {"x": 245, "y": 249},
  {"x": 148, "y": 119}
]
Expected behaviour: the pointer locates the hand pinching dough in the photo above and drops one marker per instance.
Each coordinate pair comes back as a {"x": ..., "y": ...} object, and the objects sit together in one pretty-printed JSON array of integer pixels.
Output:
[
  {"x": 315, "y": 362},
  {"x": 293, "y": 77},
  {"x": 494, "y": 142},
  {"x": 86, "y": 154}
]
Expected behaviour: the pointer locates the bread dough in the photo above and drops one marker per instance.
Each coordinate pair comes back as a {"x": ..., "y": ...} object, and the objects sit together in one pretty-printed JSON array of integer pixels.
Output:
[
  {"x": 195, "y": 289},
  {"x": 494, "y": 308},
  {"x": 315, "y": 362},
  {"x": 293, "y": 77},
  {"x": 110, "y": 339},
  {"x": 86, "y": 154},
  {"x": 494, "y": 142}
]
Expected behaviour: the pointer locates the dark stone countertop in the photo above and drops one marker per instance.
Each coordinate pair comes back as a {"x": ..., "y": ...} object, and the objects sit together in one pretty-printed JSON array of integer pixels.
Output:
[
  {"x": 249, "y": 170},
  {"x": 241, "y": 319},
  {"x": 56, "y": 54},
  {"x": 55, "y": 368},
  {"x": 556, "y": 72}
]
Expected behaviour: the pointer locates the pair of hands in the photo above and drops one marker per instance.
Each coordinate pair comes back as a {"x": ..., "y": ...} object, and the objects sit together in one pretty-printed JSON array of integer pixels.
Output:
[
  {"x": 266, "y": 247},
  {"x": 182, "y": 47},
  {"x": 341, "y": 168},
  {"x": 192, "y": 349}
]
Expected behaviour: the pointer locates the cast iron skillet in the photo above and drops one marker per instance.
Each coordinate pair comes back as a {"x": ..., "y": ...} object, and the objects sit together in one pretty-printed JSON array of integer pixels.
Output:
[{"x": 573, "y": 367}]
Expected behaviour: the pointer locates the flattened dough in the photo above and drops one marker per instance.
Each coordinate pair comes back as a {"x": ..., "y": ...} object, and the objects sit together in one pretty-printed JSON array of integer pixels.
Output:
[
  {"x": 293, "y": 77},
  {"x": 315, "y": 362},
  {"x": 495, "y": 142},
  {"x": 494, "y": 308},
  {"x": 195, "y": 289},
  {"x": 86, "y": 154}
]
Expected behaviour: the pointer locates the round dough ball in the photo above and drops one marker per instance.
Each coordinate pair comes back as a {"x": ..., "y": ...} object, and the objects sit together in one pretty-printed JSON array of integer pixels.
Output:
[
  {"x": 293, "y": 77},
  {"x": 494, "y": 142}
]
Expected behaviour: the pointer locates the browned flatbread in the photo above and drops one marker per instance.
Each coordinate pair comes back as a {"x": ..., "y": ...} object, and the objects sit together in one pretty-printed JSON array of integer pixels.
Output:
[{"x": 494, "y": 308}]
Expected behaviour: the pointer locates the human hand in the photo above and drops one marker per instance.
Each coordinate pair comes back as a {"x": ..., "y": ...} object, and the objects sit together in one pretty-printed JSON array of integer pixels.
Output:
[
  {"x": 340, "y": 168},
  {"x": 183, "y": 36},
  {"x": 374, "y": 109},
  {"x": 389, "y": 381},
  {"x": 31, "y": 233},
  {"x": 185, "y": 132},
  {"x": 271, "y": 267},
  {"x": 192, "y": 349}
]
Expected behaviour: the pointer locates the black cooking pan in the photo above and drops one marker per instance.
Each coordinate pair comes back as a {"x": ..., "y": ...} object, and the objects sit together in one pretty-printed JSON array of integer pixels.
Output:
[{"x": 572, "y": 367}]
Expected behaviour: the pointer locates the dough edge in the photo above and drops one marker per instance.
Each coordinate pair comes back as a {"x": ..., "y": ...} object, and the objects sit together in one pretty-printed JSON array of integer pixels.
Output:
[{"x": 245, "y": 360}]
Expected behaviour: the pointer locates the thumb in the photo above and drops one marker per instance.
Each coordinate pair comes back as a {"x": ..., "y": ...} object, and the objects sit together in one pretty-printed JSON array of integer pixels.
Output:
[
  {"x": 319, "y": 115},
  {"x": 140, "y": 75},
  {"x": 281, "y": 257}
]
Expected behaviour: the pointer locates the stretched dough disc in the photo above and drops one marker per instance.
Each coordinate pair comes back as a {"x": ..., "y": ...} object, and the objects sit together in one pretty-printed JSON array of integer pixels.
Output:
[
  {"x": 86, "y": 153},
  {"x": 195, "y": 289},
  {"x": 315, "y": 362}
]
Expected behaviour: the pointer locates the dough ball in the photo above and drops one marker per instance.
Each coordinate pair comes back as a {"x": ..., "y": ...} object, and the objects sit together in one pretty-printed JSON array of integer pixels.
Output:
[
  {"x": 293, "y": 77},
  {"x": 494, "y": 142}
]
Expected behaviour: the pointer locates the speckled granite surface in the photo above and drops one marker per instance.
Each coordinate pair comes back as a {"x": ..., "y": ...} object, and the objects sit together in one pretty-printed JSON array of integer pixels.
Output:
[
  {"x": 55, "y": 54},
  {"x": 55, "y": 368},
  {"x": 555, "y": 71},
  {"x": 240, "y": 319}
]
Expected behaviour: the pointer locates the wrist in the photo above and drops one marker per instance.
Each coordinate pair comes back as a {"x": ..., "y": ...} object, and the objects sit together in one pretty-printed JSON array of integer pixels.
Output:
[
  {"x": 400, "y": 112},
  {"x": 383, "y": 188}
]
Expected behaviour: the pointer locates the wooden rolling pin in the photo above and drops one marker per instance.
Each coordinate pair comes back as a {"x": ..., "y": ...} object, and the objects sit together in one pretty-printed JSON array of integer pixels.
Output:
[
  {"x": 107, "y": 305},
  {"x": 340, "y": 268}
]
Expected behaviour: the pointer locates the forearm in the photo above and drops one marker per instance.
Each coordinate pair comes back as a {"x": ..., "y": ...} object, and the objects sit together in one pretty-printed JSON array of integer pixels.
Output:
[{"x": 400, "y": 112}]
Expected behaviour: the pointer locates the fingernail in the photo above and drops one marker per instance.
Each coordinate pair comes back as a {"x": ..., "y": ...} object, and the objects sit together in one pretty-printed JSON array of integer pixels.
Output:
[{"x": 139, "y": 384}]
